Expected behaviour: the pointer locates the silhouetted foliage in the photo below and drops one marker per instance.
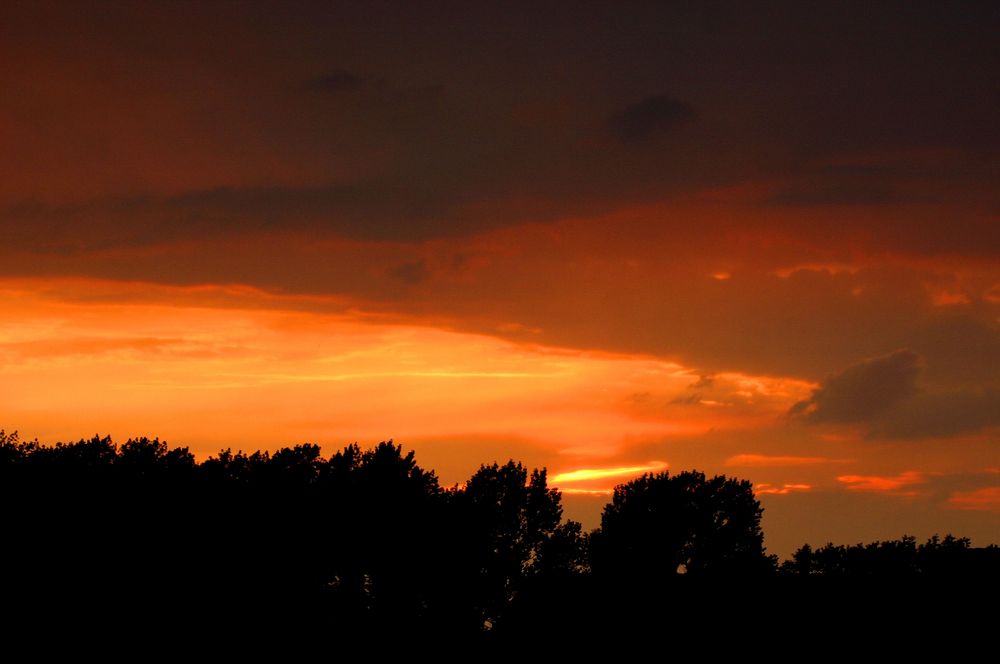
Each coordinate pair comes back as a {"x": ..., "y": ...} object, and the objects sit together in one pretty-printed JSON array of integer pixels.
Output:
[
  {"x": 511, "y": 531},
  {"x": 660, "y": 525},
  {"x": 936, "y": 558},
  {"x": 365, "y": 547},
  {"x": 262, "y": 542}
]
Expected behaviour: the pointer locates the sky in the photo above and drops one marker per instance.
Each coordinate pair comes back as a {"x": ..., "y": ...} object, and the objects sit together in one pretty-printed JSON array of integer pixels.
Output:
[{"x": 604, "y": 238}]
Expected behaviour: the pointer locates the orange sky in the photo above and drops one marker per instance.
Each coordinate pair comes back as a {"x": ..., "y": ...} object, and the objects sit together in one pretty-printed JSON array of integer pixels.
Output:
[
  {"x": 765, "y": 244},
  {"x": 211, "y": 367}
]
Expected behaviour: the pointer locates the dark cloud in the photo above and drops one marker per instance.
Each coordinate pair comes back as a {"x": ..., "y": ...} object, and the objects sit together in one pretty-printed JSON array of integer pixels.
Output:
[
  {"x": 337, "y": 81},
  {"x": 882, "y": 393},
  {"x": 411, "y": 272},
  {"x": 704, "y": 381},
  {"x": 863, "y": 391},
  {"x": 650, "y": 117},
  {"x": 374, "y": 210},
  {"x": 942, "y": 414},
  {"x": 462, "y": 135},
  {"x": 961, "y": 347}
]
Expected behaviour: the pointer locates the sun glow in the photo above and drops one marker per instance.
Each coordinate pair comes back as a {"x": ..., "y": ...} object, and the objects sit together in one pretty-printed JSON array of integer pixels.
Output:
[
  {"x": 586, "y": 474},
  {"x": 213, "y": 367}
]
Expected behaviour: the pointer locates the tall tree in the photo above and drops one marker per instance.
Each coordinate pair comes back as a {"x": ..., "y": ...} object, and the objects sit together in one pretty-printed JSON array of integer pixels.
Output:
[
  {"x": 660, "y": 525},
  {"x": 511, "y": 529}
]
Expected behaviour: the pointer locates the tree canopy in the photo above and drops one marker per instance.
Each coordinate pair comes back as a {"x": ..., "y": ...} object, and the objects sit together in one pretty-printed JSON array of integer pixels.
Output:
[{"x": 660, "y": 525}]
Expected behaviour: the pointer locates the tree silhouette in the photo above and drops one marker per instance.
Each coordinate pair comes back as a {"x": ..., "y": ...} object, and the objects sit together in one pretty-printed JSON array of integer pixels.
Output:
[
  {"x": 937, "y": 558},
  {"x": 660, "y": 525},
  {"x": 291, "y": 546},
  {"x": 387, "y": 519},
  {"x": 511, "y": 530}
]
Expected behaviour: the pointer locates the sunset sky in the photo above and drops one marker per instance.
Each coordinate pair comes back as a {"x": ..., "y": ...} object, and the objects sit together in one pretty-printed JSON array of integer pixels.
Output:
[{"x": 759, "y": 239}]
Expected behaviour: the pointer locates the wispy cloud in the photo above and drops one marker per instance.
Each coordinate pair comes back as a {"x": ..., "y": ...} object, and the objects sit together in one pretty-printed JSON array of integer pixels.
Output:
[
  {"x": 784, "y": 489},
  {"x": 778, "y": 461},
  {"x": 882, "y": 483},
  {"x": 588, "y": 474},
  {"x": 986, "y": 499}
]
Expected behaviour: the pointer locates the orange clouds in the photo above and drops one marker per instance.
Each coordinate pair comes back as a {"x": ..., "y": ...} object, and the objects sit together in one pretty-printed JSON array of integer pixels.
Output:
[
  {"x": 776, "y": 461},
  {"x": 981, "y": 500},
  {"x": 765, "y": 488},
  {"x": 882, "y": 483},
  {"x": 949, "y": 298},
  {"x": 993, "y": 294},
  {"x": 213, "y": 366}
]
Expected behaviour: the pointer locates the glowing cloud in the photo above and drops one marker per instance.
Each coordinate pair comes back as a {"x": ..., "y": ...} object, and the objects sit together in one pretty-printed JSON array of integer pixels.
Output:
[
  {"x": 188, "y": 363},
  {"x": 784, "y": 489},
  {"x": 949, "y": 298},
  {"x": 881, "y": 483},
  {"x": 587, "y": 474},
  {"x": 827, "y": 268},
  {"x": 769, "y": 461},
  {"x": 980, "y": 500},
  {"x": 586, "y": 492}
]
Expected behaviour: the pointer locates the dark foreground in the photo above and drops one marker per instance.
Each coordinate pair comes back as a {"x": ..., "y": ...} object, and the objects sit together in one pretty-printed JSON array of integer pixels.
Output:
[{"x": 139, "y": 550}]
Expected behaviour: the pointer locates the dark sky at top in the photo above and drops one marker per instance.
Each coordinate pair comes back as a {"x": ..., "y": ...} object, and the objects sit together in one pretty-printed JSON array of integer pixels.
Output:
[{"x": 409, "y": 121}]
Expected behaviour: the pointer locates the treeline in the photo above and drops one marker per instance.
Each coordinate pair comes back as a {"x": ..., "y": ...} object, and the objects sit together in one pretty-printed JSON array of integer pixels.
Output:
[
  {"x": 949, "y": 557},
  {"x": 143, "y": 538}
]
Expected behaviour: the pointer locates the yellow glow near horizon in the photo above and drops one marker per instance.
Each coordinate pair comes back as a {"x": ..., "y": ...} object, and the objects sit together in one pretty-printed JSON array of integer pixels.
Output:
[
  {"x": 586, "y": 474},
  {"x": 215, "y": 367},
  {"x": 211, "y": 368}
]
